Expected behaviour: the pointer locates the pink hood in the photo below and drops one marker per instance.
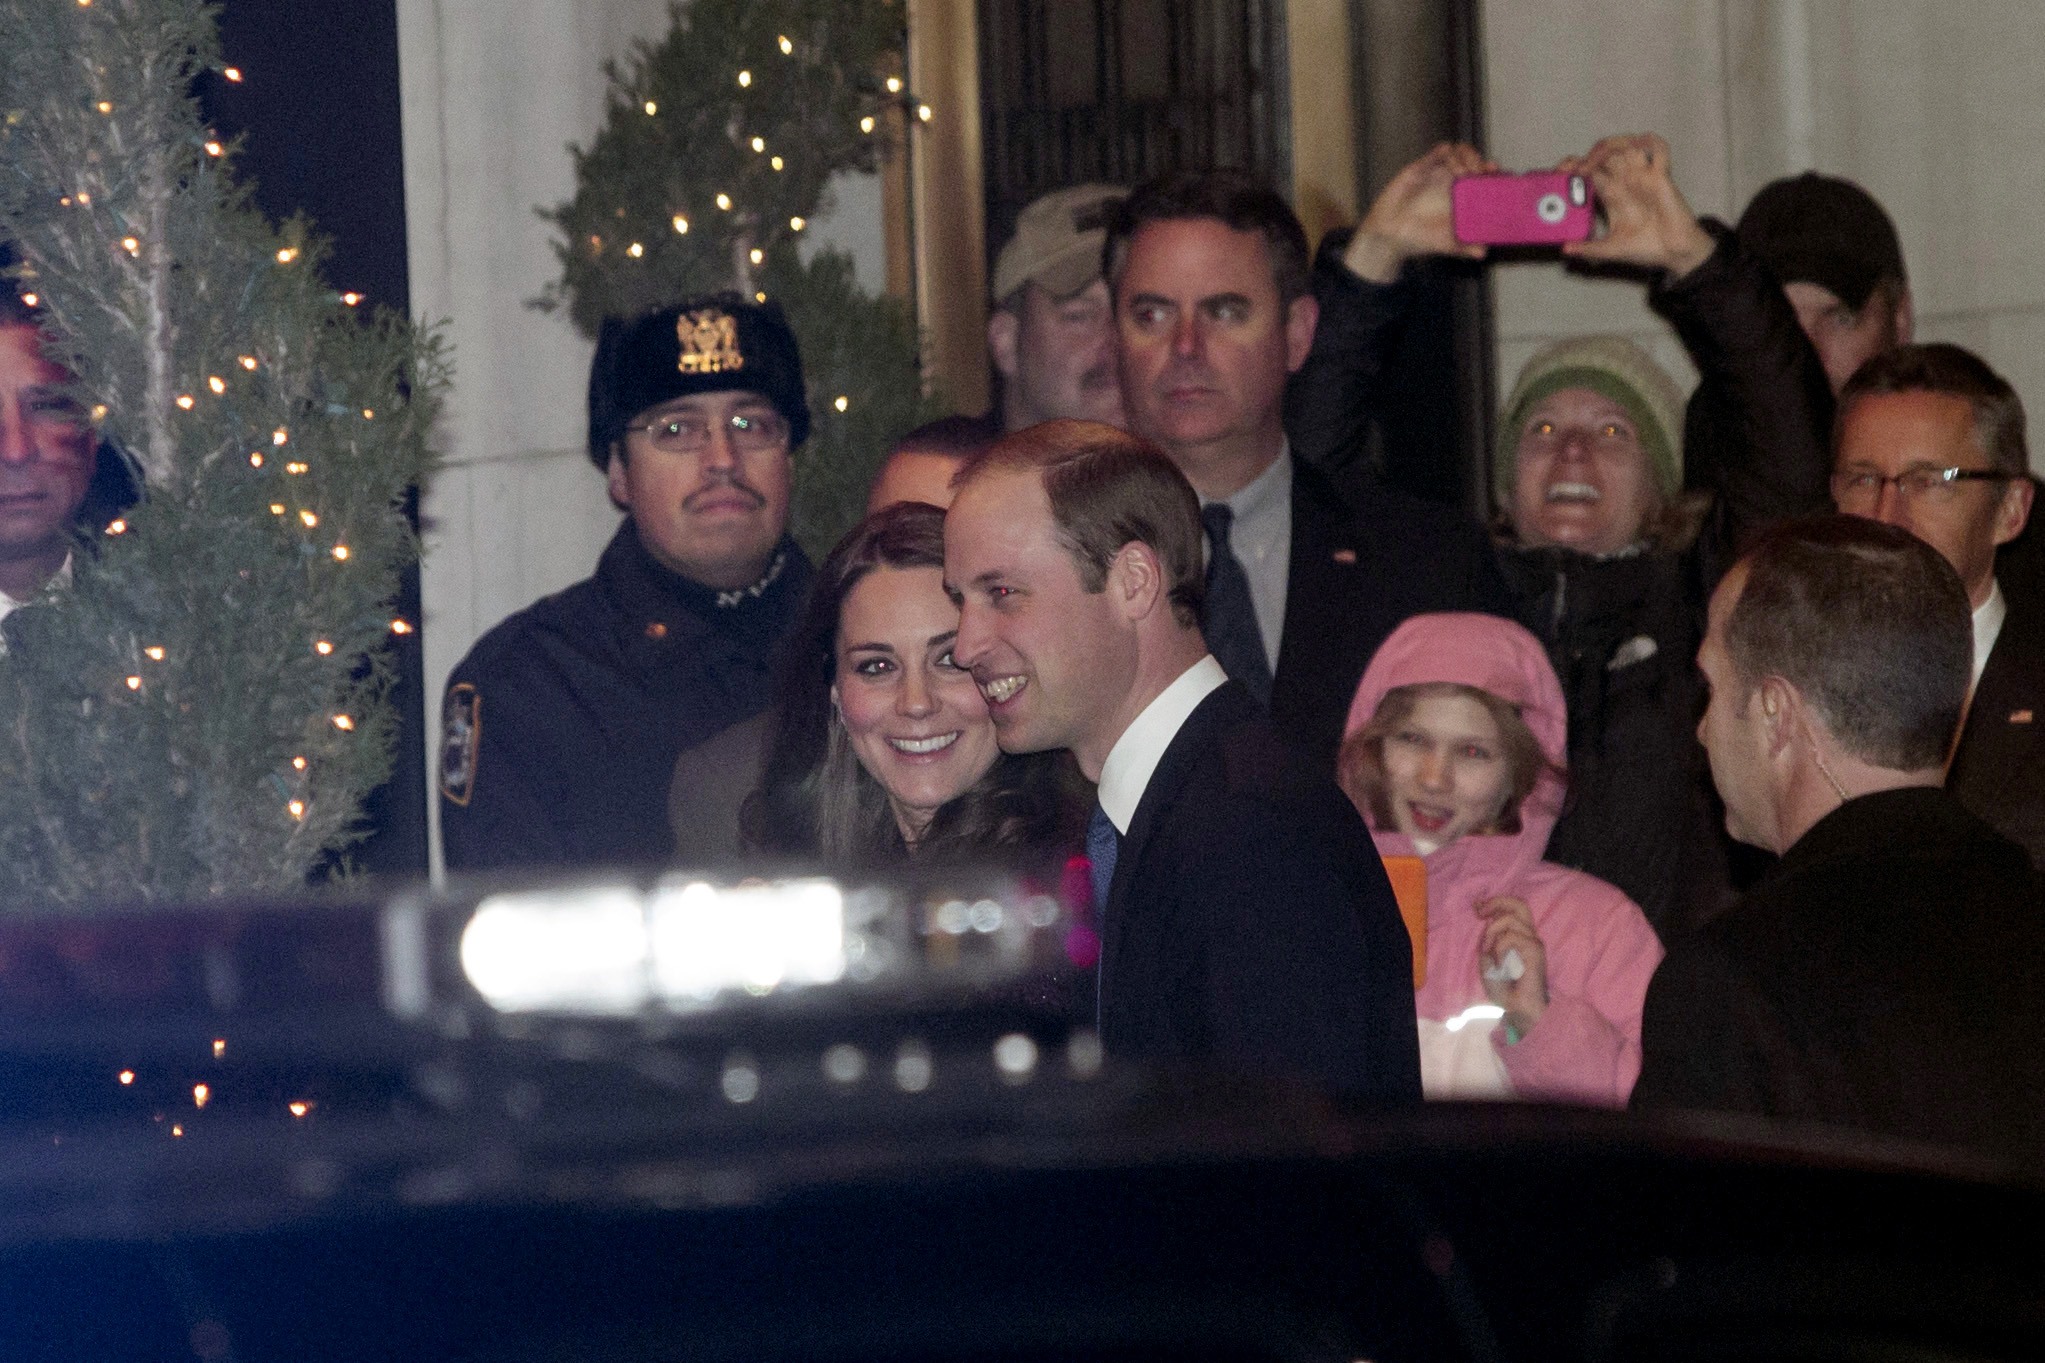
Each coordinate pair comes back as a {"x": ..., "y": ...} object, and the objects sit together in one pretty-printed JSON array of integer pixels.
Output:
[{"x": 1600, "y": 948}]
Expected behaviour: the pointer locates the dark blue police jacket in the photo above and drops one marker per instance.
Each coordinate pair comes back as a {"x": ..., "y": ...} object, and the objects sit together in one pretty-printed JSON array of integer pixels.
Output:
[{"x": 561, "y": 727}]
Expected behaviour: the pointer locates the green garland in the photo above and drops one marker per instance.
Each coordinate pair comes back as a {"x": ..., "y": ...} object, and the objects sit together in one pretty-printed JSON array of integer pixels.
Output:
[
  {"x": 201, "y": 709},
  {"x": 719, "y": 143}
]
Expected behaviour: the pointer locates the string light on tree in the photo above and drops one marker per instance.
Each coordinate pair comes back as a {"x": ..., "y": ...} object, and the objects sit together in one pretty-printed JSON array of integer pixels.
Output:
[{"x": 763, "y": 162}]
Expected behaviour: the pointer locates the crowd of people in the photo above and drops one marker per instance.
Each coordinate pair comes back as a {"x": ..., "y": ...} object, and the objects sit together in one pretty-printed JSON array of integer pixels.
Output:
[{"x": 1711, "y": 765}]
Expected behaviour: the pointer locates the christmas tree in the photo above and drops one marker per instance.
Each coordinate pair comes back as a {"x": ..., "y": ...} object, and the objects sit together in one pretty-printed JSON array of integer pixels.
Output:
[
  {"x": 200, "y": 710},
  {"x": 712, "y": 163}
]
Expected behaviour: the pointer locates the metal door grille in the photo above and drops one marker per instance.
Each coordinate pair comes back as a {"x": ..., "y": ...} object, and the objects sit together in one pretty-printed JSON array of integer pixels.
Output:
[{"x": 1120, "y": 90}]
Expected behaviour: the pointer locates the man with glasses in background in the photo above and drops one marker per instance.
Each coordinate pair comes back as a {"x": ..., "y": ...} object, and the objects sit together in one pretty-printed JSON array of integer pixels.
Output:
[
  {"x": 1931, "y": 440},
  {"x": 561, "y": 727}
]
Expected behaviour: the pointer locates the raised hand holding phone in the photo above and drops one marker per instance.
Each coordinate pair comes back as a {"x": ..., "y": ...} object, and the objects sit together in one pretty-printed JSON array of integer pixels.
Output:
[
  {"x": 1647, "y": 221},
  {"x": 1412, "y": 215}
]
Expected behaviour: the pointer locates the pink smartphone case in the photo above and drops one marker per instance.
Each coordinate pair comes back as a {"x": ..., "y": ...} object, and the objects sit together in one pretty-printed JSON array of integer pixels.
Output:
[{"x": 1541, "y": 209}]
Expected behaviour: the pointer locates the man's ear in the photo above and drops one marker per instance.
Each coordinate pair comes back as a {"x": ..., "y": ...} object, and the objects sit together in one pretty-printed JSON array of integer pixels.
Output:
[
  {"x": 2015, "y": 511},
  {"x": 1136, "y": 580},
  {"x": 1906, "y": 317},
  {"x": 614, "y": 476},
  {"x": 1302, "y": 315},
  {"x": 1004, "y": 329},
  {"x": 1782, "y": 712}
]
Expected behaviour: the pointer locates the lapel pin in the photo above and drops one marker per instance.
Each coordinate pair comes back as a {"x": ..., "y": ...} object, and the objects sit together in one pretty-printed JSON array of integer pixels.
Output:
[
  {"x": 2020, "y": 716},
  {"x": 1345, "y": 556}
]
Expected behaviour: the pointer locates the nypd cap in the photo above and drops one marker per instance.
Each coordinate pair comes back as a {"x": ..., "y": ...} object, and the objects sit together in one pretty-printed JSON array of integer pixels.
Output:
[{"x": 709, "y": 344}]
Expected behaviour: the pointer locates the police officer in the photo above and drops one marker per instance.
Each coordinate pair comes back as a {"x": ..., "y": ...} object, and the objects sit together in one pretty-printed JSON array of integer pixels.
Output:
[{"x": 562, "y": 725}]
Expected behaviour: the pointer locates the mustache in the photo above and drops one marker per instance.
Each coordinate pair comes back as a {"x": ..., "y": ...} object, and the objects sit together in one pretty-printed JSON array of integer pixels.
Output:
[{"x": 721, "y": 486}]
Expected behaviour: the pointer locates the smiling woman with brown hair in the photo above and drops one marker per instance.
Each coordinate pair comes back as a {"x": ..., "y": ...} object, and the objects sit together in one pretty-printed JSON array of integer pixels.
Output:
[{"x": 883, "y": 744}]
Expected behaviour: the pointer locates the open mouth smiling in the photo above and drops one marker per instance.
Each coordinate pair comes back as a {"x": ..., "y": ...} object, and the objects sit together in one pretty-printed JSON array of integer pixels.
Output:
[
  {"x": 924, "y": 747},
  {"x": 1002, "y": 689},
  {"x": 1575, "y": 493}
]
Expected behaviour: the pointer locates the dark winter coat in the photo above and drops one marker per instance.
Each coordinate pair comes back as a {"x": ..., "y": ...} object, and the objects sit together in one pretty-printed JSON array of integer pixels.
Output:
[
  {"x": 562, "y": 725},
  {"x": 1882, "y": 975}
]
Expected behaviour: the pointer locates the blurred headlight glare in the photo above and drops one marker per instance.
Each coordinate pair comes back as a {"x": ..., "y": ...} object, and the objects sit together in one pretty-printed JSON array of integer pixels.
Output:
[{"x": 580, "y": 951}]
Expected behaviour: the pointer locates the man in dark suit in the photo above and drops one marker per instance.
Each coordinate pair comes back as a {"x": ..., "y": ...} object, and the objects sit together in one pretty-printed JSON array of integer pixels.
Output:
[
  {"x": 1213, "y": 310},
  {"x": 1882, "y": 975},
  {"x": 1246, "y": 918},
  {"x": 1931, "y": 440}
]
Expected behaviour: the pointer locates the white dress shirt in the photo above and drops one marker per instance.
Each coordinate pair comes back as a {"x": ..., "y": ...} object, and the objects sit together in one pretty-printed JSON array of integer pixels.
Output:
[
  {"x": 1127, "y": 772},
  {"x": 1988, "y": 618}
]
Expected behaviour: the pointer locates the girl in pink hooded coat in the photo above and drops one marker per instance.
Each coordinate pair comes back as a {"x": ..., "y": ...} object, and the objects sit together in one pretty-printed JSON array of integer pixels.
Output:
[{"x": 1535, "y": 973}]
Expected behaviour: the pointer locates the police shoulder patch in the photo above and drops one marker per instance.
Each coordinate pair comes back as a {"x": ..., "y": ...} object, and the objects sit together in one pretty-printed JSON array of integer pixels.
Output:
[{"x": 461, "y": 729}]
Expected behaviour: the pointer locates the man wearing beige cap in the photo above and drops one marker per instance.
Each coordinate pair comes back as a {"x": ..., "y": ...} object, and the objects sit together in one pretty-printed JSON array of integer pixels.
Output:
[
  {"x": 1051, "y": 338},
  {"x": 1052, "y": 332}
]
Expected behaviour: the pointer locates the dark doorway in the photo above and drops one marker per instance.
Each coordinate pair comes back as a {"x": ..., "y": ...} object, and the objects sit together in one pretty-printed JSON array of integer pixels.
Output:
[
  {"x": 319, "y": 106},
  {"x": 1120, "y": 90}
]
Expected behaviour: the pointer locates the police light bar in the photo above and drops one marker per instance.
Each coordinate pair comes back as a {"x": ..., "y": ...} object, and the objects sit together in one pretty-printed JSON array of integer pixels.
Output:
[{"x": 689, "y": 945}]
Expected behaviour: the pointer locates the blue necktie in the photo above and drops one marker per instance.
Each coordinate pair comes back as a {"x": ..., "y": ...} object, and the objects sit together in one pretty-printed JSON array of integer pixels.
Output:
[
  {"x": 1102, "y": 844},
  {"x": 1231, "y": 628}
]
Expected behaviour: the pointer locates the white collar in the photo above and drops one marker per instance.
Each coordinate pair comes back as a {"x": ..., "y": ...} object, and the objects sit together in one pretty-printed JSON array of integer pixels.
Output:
[
  {"x": 1271, "y": 488},
  {"x": 1988, "y": 618},
  {"x": 1126, "y": 774},
  {"x": 60, "y": 578}
]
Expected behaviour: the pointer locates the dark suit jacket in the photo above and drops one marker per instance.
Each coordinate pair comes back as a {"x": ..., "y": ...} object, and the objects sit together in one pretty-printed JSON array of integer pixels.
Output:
[
  {"x": 1999, "y": 768},
  {"x": 1250, "y": 922},
  {"x": 1359, "y": 568},
  {"x": 1882, "y": 975}
]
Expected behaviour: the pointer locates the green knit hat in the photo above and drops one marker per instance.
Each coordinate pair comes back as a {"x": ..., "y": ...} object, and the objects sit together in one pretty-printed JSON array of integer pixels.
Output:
[{"x": 1612, "y": 367}]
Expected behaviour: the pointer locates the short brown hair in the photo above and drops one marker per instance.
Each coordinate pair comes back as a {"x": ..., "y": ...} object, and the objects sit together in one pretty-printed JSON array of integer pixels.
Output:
[
  {"x": 1870, "y": 623},
  {"x": 1954, "y": 372},
  {"x": 1232, "y": 197},
  {"x": 1108, "y": 488},
  {"x": 1360, "y": 766}
]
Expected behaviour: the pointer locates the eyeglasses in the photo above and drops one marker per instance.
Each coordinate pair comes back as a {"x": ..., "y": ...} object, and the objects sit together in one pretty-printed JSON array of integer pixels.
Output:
[
  {"x": 1863, "y": 487},
  {"x": 748, "y": 432}
]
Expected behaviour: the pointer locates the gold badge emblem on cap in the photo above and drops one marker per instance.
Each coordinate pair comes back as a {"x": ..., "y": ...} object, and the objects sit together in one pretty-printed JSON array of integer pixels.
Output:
[{"x": 709, "y": 338}]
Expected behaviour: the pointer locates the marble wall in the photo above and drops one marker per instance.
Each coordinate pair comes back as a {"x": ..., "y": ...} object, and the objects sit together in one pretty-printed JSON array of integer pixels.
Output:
[{"x": 1935, "y": 107}]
